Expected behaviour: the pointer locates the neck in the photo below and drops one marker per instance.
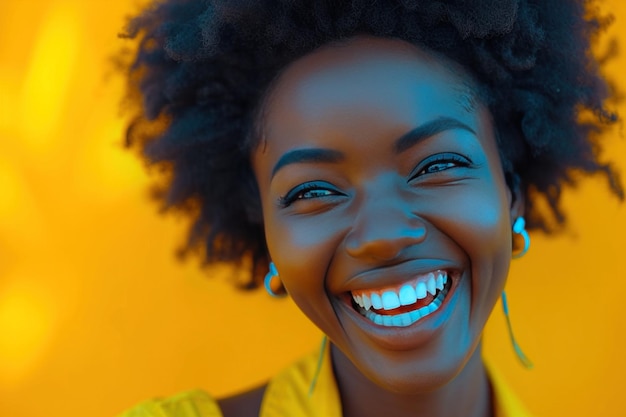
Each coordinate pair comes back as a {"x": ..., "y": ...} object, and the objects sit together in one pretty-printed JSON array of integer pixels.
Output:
[{"x": 467, "y": 395}]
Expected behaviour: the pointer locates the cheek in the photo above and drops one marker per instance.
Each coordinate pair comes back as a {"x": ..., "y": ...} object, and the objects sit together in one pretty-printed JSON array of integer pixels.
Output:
[
  {"x": 302, "y": 249},
  {"x": 488, "y": 245},
  {"x": 478, "y": 220},
  {"x": 475, "y": 216},
  {"x": 485, "y": 218}
]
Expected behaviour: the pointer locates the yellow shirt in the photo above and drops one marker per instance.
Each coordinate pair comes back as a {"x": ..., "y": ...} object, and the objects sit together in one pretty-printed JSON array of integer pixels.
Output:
[{"x": 287, "y": 395}]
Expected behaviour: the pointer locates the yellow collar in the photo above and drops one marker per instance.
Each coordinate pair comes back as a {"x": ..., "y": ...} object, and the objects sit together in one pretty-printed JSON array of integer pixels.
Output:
[{"x": 288, "y": 392}]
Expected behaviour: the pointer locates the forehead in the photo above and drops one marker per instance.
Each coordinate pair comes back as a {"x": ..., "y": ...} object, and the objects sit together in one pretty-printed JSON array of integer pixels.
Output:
[{"x": 368, "y": 76}]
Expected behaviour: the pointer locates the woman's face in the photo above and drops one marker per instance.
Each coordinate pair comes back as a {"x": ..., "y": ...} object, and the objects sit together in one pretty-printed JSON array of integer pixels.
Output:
[{"x": 381, "y": 184}]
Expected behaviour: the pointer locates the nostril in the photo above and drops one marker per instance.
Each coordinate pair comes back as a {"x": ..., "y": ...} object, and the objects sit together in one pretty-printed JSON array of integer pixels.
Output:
[
  {"x": 386, "y": 245},
  {"x": 383, "y": 227}
]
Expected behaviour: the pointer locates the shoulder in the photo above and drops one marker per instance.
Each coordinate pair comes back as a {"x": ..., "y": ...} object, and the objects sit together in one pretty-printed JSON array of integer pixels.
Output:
[
  {"x": 186, "y": 404},
  {"x": 505, "y": 402},
  {"x": 200, "y": 404}
]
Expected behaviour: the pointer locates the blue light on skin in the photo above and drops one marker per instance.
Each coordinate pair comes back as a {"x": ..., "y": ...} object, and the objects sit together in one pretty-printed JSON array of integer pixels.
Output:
[{"x": 349, "y": 205}]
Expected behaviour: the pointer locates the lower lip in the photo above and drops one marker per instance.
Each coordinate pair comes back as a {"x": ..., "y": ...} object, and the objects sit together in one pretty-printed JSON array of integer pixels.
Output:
[{"x": 409, "y": 337}]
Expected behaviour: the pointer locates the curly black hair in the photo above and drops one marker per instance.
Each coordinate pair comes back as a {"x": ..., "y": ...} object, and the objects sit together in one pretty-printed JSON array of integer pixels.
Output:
[{"x": 203, "y": 67}]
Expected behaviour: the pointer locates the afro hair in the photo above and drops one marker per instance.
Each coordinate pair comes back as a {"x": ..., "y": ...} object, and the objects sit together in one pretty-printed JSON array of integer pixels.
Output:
[{"x": 202, "y": 68}]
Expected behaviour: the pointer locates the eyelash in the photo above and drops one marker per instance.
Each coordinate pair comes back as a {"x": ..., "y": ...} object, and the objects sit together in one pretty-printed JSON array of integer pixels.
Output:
[
  {"x": 298, "y": 193},
  {"x": 451, "y": 160}
]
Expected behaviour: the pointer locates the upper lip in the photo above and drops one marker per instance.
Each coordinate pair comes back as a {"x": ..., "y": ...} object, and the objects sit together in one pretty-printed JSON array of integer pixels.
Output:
[{"x": 376, "y": 278}]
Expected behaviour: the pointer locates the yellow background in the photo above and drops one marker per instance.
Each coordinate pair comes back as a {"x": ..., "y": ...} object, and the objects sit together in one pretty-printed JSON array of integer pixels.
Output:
[{"x": 96, "y": 313}]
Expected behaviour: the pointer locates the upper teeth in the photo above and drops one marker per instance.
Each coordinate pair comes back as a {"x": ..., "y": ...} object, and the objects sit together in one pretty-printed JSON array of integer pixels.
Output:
[{"x": 389, "y": 298}]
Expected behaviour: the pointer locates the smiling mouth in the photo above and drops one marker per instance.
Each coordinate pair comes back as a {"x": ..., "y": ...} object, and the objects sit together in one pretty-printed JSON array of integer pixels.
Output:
[{"x": 403, "y": 305}]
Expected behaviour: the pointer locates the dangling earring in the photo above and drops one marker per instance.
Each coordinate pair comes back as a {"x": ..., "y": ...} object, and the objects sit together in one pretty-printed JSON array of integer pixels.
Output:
[
  {"x": 519, "y": 228},
  {"x": 272, "y": 273},
  {"x": 518, "y": 351},
  {"x": 318, "y": 368}
]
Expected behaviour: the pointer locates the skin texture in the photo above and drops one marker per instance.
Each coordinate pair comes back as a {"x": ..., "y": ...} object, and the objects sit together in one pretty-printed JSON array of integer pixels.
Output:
[{"x": 375, "y": 212}]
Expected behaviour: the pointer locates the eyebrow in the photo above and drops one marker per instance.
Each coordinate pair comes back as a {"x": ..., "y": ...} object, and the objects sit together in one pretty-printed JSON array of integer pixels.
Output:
[
  {"x": 402, "y": 144},
  {"x": 427, "y": 130},
  {"x": 308, "y": 155}
]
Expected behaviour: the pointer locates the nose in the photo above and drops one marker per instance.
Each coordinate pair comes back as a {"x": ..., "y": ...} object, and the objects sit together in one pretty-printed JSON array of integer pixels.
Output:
[{"x": 382, "y": 229}]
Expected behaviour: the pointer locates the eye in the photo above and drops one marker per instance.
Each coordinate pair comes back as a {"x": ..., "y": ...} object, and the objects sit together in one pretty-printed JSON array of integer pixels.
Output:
[
  {"x": 308, "y": 191},
  {"x": 440, "y": 162}
]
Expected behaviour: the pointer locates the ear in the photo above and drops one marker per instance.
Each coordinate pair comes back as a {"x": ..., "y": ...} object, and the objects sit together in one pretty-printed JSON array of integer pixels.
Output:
[{"x": 517, "y": 198}]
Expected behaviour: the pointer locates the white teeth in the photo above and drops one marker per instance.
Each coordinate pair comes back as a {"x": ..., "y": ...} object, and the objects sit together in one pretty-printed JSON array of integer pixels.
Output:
[
  {"x": 415, "y": 315},
  {"x": 424, "y": 311},
  {"x": 440, "y": 281},
  {"x": 367, "y": 304},
  {"x": 407, "y": 295},
  {"x": 420, "y": 290},
  {"x": 407, "y": 319},
  {"x": 397, "y": 321},
  {"x": 377, "y": 302},
  {"x": 390, "y": 300},
  {"x": 431, "y": 284}
]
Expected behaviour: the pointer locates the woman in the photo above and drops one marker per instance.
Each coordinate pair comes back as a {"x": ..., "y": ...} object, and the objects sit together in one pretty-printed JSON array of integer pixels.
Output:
[{"x": 381, "y": 159}]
